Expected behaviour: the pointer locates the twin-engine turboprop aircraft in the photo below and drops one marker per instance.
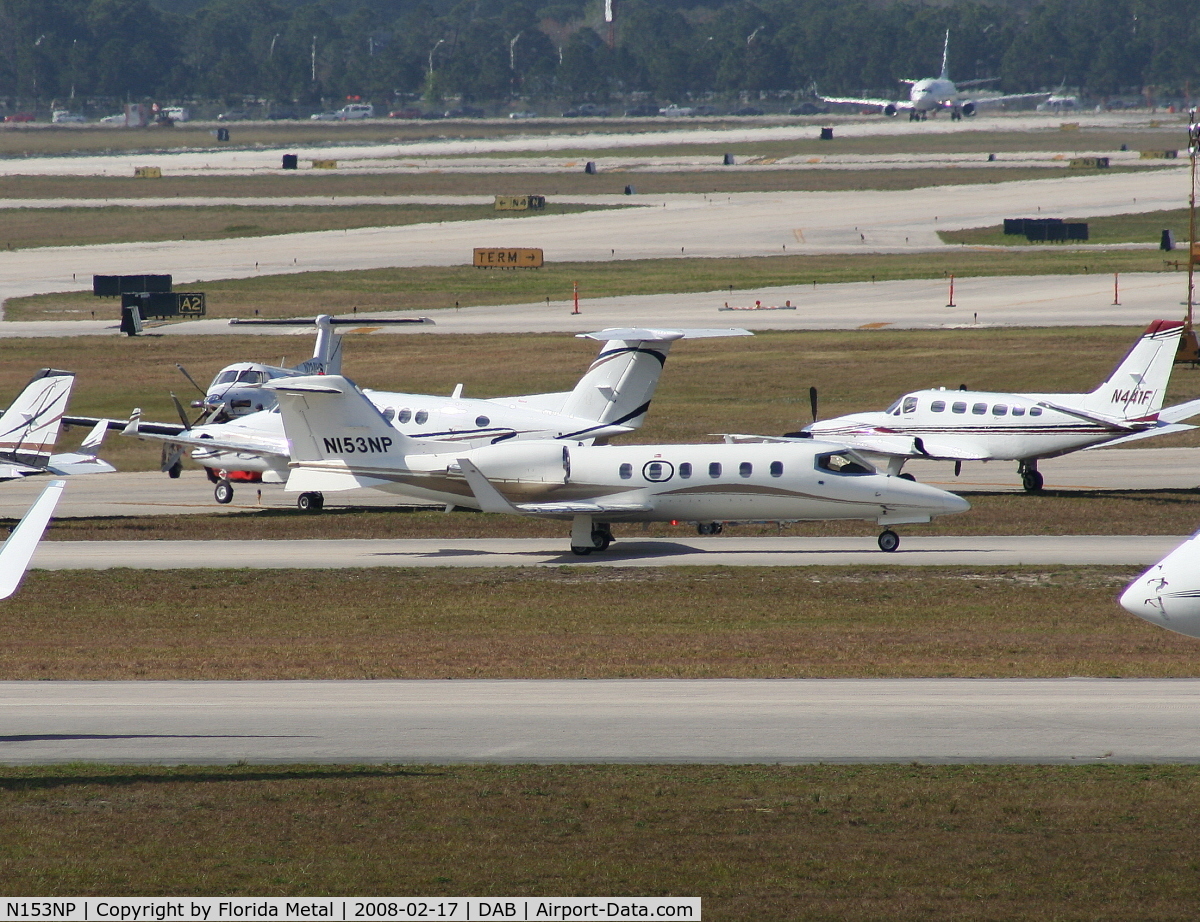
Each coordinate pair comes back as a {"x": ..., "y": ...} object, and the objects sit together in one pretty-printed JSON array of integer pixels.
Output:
[
  {"x": 1168, "y": 594},
  {"x": 339, "y": 441},
  {"x": 930, "y": 94},
  {"x": 967, "y": 425},
  {"x": 612, "y": 398}
]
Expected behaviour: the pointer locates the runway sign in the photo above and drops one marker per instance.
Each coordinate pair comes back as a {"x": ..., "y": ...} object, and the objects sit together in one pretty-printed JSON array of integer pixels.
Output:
[
  {"x": 520, "y": 202},
  {"x": 324, "y": 164},
  {"x": 147, "y": 172},
  {"x": 490, "y": 258}
]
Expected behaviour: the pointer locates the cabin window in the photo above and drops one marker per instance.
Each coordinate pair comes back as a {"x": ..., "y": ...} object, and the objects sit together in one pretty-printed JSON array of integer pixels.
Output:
[
  {"x": 404, "y": 416},
  {"x": 421, "y": 418},
  {"x": 714, "y": 469},
  {"x": 658, "y": 471},
  {"x": 1035, "y": 411},
  {"x": 252, "y": 377},
  {"x": 938, "y": 406},
  {"x": 1000, "y": 409},
  {"x": 1018, "y": 411},
  {"x": 482, "y": 421},
  {"x": 745, "y": 469},
  {"x": 910, "y": 405},
  {"x": 979, "y": 409},
  {"x": 225, "y": 377},
  {"x": 389, "y": 414},
  {"x": 959, "y": 407},
  {"x": 685, "y": 470},
  {"x": 625, "y": 471},
  {"x": 843, "y": 462},
  {"x": 776, "y": 468}
]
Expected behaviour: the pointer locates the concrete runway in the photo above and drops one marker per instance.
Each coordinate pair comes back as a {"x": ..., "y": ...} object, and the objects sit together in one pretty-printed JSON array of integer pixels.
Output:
[{"x": 1072, "y": 721}]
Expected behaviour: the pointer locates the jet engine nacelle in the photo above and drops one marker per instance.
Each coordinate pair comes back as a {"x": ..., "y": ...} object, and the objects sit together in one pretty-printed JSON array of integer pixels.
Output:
[
  {"x": 890, "y": 110},
  {"x": 528, "y": 462},
  {"x": 968, "y": 109}
]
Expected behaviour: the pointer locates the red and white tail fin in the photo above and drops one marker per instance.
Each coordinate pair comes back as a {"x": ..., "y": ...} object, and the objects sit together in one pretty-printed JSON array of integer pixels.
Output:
[{"x": 1137, "y": 386}]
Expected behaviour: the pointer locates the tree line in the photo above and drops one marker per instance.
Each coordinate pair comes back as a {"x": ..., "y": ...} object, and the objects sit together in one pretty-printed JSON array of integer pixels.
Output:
[{"x": 670, "y": 50}]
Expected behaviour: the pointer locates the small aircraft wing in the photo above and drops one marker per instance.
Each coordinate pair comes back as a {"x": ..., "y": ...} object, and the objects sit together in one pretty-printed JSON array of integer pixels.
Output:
[
  {"x": 492, "y": 500},
  {"x": 119, "y": 425},
  {"x": 946, "y": 451},
  {"x": 18, "y": 549}
]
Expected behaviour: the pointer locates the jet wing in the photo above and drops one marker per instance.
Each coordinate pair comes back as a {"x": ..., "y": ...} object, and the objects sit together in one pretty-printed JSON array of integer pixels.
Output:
[
  {"x": 1012, "y": 97},
  {"x": 492, "y": 500},
  {"x": 896, "y": 104}
]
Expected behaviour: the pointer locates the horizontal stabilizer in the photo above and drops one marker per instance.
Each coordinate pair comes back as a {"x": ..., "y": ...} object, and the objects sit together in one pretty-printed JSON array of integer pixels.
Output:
[
  {"x": 306, "y": 480},
  {"x": 645, "y": 335},
  {"x": 1165, "y": 429},
  {"x": 1180, "y": 411}
]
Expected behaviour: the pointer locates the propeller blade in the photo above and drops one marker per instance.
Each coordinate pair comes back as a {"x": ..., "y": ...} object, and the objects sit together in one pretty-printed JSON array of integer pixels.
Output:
[
  {"x": 957, "y": 468},
  {"x": 184, "y": 372},
  {"x": 179, "y": 409},
  {"x": 812, "y": 402}
]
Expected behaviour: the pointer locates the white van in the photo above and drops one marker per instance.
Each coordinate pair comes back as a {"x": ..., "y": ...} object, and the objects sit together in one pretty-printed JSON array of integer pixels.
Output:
[
  {"x": 176, "y": 113},
  {"x": 63, "y": 117},
  {"x": 356, "y": 110}
]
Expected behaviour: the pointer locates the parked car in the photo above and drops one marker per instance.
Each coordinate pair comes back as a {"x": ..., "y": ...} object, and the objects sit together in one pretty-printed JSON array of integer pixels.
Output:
[
  {"x": 284, "y": 112},
  {"x": 747, "y": 110},
  {"x": 177, "y": 113},
  {"x": 324, "y": 117},
  {"x": 63, "y": 117},
  {"x": 674, "y": 111},
  {"x": 20, "y": 117},
  {"x": 586, "y": 110},
  {"x": 234, "y": 115},
  {"x": 356, "y": 110},
  {"x": 465, "y": 112},
  {"x": 118, "y": 119},
  {"x": 405, "y": 113},
  {"x": 641, "y": 111}
]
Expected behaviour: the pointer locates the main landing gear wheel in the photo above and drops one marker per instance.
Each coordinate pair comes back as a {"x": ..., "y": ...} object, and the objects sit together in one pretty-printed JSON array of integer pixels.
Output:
[
  {"x": 175, "y": 470},
  {"x": 889, "y": 541},
  {"x": 1031, "y": 479},
  {"x": 223, "y": 492},
  {"x": 601, "y": 539},
  {"x": 710, "y": 528},
  {"x": 310, "y": 502},
  {"x": 909, "y": 477}
]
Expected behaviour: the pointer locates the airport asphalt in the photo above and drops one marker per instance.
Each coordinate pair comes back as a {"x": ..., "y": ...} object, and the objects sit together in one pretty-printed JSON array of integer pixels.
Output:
[{"x": 954, "y": 721}]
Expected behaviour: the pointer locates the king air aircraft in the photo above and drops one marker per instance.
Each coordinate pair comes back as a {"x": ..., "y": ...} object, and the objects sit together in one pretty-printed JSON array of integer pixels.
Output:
[
  {"x": 29, "y": 429},
  {"x": 1168, "y": 594},
  {"x": 931, "y": 94},
  {"x": 611, "y": 399},
  {"x": 968, "y": 425},
  {"x": 340, "y": 441}
]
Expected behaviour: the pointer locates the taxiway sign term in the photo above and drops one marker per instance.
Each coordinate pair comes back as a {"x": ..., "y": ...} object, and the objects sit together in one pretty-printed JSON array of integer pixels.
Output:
[{"x": 647, "y": 721}]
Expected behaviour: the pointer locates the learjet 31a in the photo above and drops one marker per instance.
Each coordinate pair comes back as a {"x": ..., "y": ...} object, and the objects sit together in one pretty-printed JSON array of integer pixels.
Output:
[
  {"x": 930, "y": 94},
  {"x": 611, "y": 399},
  {"x": 1168, "y": 594},
  {"x": 339, "y": 440},
  {"x": 967, "y": 425}
]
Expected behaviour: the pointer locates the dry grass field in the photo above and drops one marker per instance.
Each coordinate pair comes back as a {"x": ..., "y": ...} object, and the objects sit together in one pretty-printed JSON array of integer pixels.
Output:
[
  {"x": 980, "y": 842},
  {"x": 584, "y": 623}
]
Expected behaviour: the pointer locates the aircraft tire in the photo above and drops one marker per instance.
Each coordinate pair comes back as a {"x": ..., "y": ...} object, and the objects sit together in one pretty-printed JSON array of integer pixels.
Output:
[
  {"x": 908, "y": 477},
  {"x": 889, "y": 541},
  {"x": 580, "y": 551},
  {"x": 310, "y": 502},
  {"x": 175, "y": 470},
  {"x": 223, "y": 492},
  {"x": 601, "y": 540},
  {"x": 1032, "y": 481}
]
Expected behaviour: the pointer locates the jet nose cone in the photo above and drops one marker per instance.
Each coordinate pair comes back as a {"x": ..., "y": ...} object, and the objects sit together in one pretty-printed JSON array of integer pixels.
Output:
[
  {"x": 1151, "y": 600},
  {"x": 939, "y": 502}
]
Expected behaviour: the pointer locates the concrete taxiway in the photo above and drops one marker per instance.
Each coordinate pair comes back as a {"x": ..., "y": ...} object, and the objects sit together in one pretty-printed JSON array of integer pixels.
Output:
[
  {"x": 1075, "y": 721},
  {"x": 629, "y": 550}
]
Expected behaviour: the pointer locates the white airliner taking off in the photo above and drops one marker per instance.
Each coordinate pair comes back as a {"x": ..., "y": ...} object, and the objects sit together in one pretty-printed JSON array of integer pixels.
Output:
[
  {"x": 1168, "y": 594},
  {"x": 967, "y": 425},
  {"x": 930, "y": 94},
  {"x": 341, "y": 441},
  {"x": 612, "y": 398}
]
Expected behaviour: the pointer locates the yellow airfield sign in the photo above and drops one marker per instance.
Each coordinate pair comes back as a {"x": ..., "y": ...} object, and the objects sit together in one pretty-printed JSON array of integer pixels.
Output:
[{"x": 505, "y": 258}]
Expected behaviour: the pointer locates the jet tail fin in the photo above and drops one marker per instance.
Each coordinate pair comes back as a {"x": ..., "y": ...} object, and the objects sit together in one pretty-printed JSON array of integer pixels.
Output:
[
  {"x": 327, "y": 350},
  {"x": 18, "y": 549},
  {"x": 946, "y": 57},
  {"x": 1137, "y": 386},
  {"x": 619, "y": 384},
  {"x": 29, "y": 427}
]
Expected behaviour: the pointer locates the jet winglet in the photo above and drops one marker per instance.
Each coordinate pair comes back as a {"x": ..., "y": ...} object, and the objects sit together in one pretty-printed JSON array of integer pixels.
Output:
[
  {"x": 490, "y": 499},
  {"x": 17, "y": 551}
]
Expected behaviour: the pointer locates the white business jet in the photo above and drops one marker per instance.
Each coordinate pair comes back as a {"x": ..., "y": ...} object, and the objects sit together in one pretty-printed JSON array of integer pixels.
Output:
[
  {"x": 612, "y": 398},
  {"x": 930, "y": 94},
  {"x": 1168, "y": 594},
  {"x": 967, "y": 425},
  {"x": 29, "y": 429},
  {"x": 18, "y": 548},
  {"x": 341, "y": 441}
]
